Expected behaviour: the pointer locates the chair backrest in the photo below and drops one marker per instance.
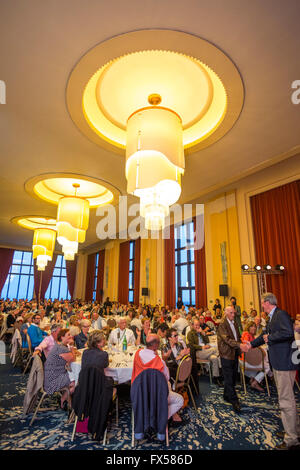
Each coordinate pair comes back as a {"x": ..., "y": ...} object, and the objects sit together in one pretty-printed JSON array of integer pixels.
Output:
[
  {"x": 255, "y": 357},
  {"x": 29, "y": 343},
  {"x": 184, "y": 369}
]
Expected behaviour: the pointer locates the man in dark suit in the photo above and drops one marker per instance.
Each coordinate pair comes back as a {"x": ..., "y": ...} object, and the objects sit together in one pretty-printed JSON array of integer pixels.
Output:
[
  {"x": 230, "y": 347},
  {"x": 279, "y": 336}
]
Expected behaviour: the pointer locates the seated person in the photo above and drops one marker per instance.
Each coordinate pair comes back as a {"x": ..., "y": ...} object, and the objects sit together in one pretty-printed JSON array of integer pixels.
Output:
[
  {"x": 201, "y": 349},
  {"x": 244, "y": 318},
  {"x": 81, "y": 339},
  {"x": 255, "y": 378},
  {"x": 94, "y": 356},
  {"x": 218, "y": 316},
  {"x": 207, "y": 330},
  {"x": 142, "y": 335},
  {"x": 48, "y": 342},
  {"x": 209, "y": 321},
  {"x": 98, "y": 322},
  {"x": 135, "y": 321},
  {"x": 27, "y": 320},
  {"x": 11, "y": 318},
  {"x": 56, "y": 374},
  {"x": 173, "y": 351},
  {"x": 116, "y": 336},
  {"x": 148, "y": 358},
  {"x": 259, "y": 328},
  {"x": 179, "y": 322},
  {"x": 74, "y": 326},
  {"x": 35, "y": 333},
  {"x": 162, "y": 333}
]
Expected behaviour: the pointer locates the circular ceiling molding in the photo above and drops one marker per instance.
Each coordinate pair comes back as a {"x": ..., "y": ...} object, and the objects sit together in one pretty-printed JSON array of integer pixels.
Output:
[
  {"x": 193, "y": 77},
  {"x": 51, "y": 187},
  {"x": 33, "y": 222}
]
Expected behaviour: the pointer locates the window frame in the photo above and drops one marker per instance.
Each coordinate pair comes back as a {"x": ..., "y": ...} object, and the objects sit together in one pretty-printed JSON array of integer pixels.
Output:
[
  {"x": 184, "y": 244},
  {"x": 20, "y": 274},
  {"x": 131, "y": 271}
]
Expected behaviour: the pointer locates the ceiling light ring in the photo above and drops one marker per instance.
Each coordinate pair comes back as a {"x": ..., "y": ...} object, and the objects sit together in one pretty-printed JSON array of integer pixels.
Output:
[{"x": 159, "y": 40}]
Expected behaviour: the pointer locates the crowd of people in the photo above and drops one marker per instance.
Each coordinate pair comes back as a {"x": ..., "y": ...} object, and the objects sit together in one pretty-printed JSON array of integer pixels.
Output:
[{"x": 56, "y": 330}]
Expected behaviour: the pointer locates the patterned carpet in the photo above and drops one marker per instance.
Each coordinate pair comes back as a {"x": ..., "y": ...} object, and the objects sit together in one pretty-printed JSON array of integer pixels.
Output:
[{"x": 216, "y": 426}]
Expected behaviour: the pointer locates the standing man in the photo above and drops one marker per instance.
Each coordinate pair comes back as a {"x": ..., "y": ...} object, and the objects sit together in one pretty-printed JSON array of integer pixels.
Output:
[
  {"x": 230, "y": 347},
  {"x": 279, "y": 336}
]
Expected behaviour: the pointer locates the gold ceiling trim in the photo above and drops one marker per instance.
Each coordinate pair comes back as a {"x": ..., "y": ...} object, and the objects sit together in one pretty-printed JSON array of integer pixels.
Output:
[{"x": 161, "y": 40}]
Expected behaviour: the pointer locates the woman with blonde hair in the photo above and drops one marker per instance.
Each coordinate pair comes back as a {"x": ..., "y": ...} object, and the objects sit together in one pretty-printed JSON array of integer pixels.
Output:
[{"x": 255, "y": 378}]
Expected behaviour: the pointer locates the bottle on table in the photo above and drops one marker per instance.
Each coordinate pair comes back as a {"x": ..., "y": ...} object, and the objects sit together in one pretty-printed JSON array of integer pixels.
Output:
[{"x": 124, "y": 344}]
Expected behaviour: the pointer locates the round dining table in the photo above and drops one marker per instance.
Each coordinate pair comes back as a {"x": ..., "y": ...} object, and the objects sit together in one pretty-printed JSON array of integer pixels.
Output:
[{"x": 120, "y": 364}]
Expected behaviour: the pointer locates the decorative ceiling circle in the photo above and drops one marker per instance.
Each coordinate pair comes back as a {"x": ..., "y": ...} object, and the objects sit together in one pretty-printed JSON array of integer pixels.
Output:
[
  {"x": 32, "y": 222},
  {"x": 193, "y": 77},
  {"x": 52, "y": 187}
]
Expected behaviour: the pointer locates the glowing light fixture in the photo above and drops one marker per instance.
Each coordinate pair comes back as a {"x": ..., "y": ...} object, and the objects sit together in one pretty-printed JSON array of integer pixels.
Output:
[
  {"x": 267, "y": 267},
  {"x": 245, "y": 267},
  {"x": 154, "y": 160},
  {"x": 279, "y": 267},
  {"x": 72, "y": 223},
  {"x": 257, "y": 267},
  {"x": 43, "y": 246}
]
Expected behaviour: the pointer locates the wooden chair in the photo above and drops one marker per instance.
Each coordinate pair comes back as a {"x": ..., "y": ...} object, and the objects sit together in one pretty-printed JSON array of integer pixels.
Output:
[
  {"x": 255, "y": 357},
  {"x": 183, "y": 377},
  {"x": 30, "y": 356}
]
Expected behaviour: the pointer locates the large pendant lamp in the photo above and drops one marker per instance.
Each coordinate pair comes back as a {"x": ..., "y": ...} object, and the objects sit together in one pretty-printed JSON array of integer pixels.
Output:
[
  {"x": 43, "y": 246},
  {"x": 72, "y": 223},
  {"x": 154, "y": 160}
]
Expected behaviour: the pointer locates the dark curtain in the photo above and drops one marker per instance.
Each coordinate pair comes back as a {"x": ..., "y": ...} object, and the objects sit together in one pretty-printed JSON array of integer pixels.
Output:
[
  {"x": 90, "y": 274},
  {"x": 46, "y": 278},
  {"x": 100, "y": 278},
  {"x": 71, "y": 267},
  {"x": 124, "y": 272},
  {"x": 170, "y": 288},
  {"x": 200, "y": 270},
  {"x": 275, "y": 217},
  {"x": 6, "y": 258},
  {"x": 137, "y": 260}
]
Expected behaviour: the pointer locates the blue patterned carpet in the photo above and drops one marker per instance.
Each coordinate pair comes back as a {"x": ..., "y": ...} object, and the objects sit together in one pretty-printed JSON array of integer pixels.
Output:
[{"x": 216, "y": 426}]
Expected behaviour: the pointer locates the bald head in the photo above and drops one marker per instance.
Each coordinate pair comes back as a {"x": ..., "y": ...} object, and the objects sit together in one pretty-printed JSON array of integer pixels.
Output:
[
  {"x": 229, "y": 312},
  {"x": 152, "y": 341}
]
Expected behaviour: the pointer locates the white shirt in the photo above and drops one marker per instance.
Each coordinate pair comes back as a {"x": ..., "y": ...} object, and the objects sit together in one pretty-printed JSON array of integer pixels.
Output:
[
  {"x": 136, "y": 322},
  {"x": 113, "y": 337},
  {"x": 180, "y": 324},
  {"x": 231, "y": 323},
  {"x": 147, "y": 355}
]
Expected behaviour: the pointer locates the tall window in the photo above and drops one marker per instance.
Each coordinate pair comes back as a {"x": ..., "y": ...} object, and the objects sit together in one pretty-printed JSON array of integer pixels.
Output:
[
  {"x": 95, "y": 276},
  {"x": 131, "y": 272},
  {"x": 185, "y": 263},
  {"x": 19, "y": 283},
  {"x": 58, "y": 286}
]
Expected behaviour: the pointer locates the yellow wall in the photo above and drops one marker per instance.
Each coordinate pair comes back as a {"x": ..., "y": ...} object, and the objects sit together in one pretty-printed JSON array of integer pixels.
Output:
[
  {"x": 221, "y": 226},
  {"x": 152, "y": 257},
  {"x": 111, "y": 270}
]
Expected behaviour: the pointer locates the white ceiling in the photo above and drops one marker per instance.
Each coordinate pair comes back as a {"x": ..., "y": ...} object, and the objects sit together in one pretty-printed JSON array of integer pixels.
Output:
[{"x": 40, "y": 42}]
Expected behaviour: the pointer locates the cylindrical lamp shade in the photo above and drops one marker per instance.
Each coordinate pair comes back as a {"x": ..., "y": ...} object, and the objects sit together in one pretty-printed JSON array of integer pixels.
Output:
[
  {"x": 154, "y": 162},
  {"x": 43, "y": 246},
  {"x": 72, "y": 219}
]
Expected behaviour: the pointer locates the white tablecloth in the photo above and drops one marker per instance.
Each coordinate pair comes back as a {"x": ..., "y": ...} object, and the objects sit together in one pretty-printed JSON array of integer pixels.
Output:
[{"x": 120, "y": 366}]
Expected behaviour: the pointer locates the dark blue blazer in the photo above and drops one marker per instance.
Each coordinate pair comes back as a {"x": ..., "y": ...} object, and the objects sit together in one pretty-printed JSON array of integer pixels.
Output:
[
  {"x": 280, "y": 340},
  {"x": 149, "y": 397}
]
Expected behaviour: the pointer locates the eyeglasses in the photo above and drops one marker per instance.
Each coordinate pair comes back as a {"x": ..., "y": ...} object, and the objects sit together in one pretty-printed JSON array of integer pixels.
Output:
[{"x": 174, "y": 336}]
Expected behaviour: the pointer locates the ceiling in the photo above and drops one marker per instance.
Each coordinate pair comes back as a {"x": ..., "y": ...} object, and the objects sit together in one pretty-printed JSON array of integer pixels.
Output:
[{"x": 41, "y": 42}]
